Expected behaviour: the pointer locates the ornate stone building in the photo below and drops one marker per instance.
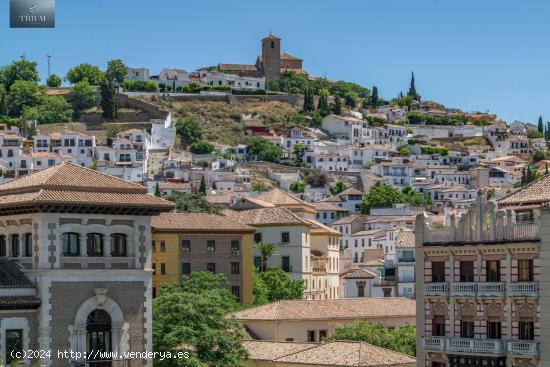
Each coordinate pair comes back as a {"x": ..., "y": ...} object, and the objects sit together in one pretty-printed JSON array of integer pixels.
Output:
[
  {"x": 75, "y": 246},
  {"x": 482, "y": 284}
]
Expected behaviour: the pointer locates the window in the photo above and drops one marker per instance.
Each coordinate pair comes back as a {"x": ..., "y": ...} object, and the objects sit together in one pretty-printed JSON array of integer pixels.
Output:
[
  {"x": 493, "y": 329},
  {"x": 185, "y": 246},
  {"x": 526, "y": 329},
  {"x": 466, "y": 271},
  {"x": 467, "y": 328},
  {"x": 438, "y": 271},
  {"x": 153, "y": 246},
  {"x": 322, "y": 334},
  {"x": 257, "y": 237},
  {"x": 211, "y": 267},
  {"x": 3, "y": 248},
  {"x": 493, "y": 271},
  {"x": 257, "y": 262},
  {"x": 211, "y": 246},
  {"x": 236, "y": 291},
  {"x": 154, "y": 292},
  {"x": 14, "y": 344},
  {"x": 235, "y": 246},
  {"x": 95, "y": 244},
  {"x": 285, "y": 237},
  {"x": 186, "y": 269},
  {"x": 272, "y": 44},
  {"x": 162, "y": 269},
  {"x": 162, "y": 246},
  {"x": 235, "y": 268},
  {"x": 71, "y": 244},
  {"x": 154, "y": 268},
  {"x": 28, "y": 244},
  {"x": 311, "y": 336},
  {"x": 438, "y": 326},
  {"x": 118, "y": 241},
  {"x": 286, "y": 263},
  {"x": 525, "y": 270},
  {"x": 289, "y": 339}
]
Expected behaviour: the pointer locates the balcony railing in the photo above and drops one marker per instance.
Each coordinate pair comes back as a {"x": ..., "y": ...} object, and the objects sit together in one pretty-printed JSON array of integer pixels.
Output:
[
  {"x": 475, "y": 345},
  {"x": 436, "y": 289},
  {"x": 524, "y": 347},
  {"x": 491, "y": 289},
  {"x": 434, "y": 342},
  {"x": 523, "y": 289},
  {"x": 464, "y": 289}
]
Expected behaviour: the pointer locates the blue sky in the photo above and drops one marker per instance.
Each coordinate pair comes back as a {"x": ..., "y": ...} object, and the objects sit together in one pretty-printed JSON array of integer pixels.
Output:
[{"x": 471, "y": 54}]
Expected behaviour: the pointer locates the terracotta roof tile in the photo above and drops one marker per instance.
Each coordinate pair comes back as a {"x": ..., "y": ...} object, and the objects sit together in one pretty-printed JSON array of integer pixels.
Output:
[
  {"x": 347, "y": 308},
  {"x": 266, "y": 217},
  {"x": 537, "y": 192},
  {"x": 281, "y": 198},
  {"x": 327, "y": 206},
  {"x": 405, "y": 238},
  {"x": 358, "y": 274},
  {"x": 11, "y": 275},
  {"x": 197, "y": 222}
]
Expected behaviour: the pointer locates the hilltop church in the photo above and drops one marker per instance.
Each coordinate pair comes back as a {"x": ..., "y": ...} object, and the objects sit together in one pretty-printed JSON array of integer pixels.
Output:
[{"x": 269, "y": 64}]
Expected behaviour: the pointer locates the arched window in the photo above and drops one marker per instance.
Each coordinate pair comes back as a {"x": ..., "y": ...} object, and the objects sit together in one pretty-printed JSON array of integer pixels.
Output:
[
  {"x": 14, "y": 245},
  {"x": 3, "y": 247},
  {"x": 98, "y": 334},
  {"x": 118, "y": 242},
  {"x": 272, "y": 44},
  {"x": 95, "y": 244},
  {"x": 28, "y": 244},
  {"x": 71, "y": 244}
]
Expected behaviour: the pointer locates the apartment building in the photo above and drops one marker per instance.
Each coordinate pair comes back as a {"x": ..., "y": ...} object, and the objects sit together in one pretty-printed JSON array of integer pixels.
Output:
[
  {"x": 482, "y": 292},
  {"x": 187, "y": 242},
  {"x": 75, "y": 244}
]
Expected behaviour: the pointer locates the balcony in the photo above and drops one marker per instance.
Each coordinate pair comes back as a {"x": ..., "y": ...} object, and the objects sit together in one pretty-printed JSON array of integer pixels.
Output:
[
  {"x": 467, "y": 345},
  {"x": 523, "y": 289},
  {"x": 436, "y": 289},
  {"x": 464, "y": 289},
  {"x": 524, "y": 347},
  {"x": 491, "y": 289},
  {"x": 434, "y": 342}
]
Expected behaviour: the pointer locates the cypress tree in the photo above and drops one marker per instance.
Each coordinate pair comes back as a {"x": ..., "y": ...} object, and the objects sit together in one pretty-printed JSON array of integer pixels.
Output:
[
  {"x": 202, "y": 187},
  {"x": 337, "y": 108},
  {"x": 547, "y": 135},
  {"x": 157, "y": 190},
  {"x": 374, "y": 97},
  {"x": 309, "y": 105},
  {"x": 322, "y": 105},
  {"x": 540, "y": 125},
  {"x": 412, "y": 89}
]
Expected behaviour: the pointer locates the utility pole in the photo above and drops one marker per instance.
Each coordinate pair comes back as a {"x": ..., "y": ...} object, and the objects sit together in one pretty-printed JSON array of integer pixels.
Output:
[{"x": 49, "y": 57}]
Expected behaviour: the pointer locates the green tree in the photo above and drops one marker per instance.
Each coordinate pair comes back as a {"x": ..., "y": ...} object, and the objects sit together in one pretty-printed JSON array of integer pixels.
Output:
[
  {"x": 202, "y": 187},
  {"x": 53, "y": 81},
  {"x": 189, "y": 130},
  {"x": 298, "y": 187},
  {"x": 381, "y": 195},
  {"x": 190, "y": 203},
  {"x": 373, "y": 102},
  {"x": 351, "y": 99},
  {"x": 82, "y": 97},
  {"x": 266, "y": 250},
  {"x": 539, "y": 155},
  {"x": 535, "y": 134},
  {"x": 279, "y": 286},
  {"x": 23, "y": 94},
  {"x": 3, "y": 100},
  {"x": 194, "y": 315},
  {"x": 91, "y": 73},
  {"x": 316, "y": 119},
  {"x": 262, "y": 149},
  {"x": 201, "y": 147},
  {"x": 540, "y": 126},
  {"x": 322, "y": 104},
  {"x": 337, "y": 108},
  {"x": 400, "y": 339},
  {"x": 22, "y": 70},
  {"x": 116, "y": 71},
  {"x": 51, "y": 109},
  {"x": 547, "y": 135},
  {"x": 157, "y": 190},
  {"x": 490, "y": 193},
  {"x": 109, "y": 101},
  {"x": 316, "y": 178},
  {"x": 412, "y": 197},
  {"x": 309, "y": 104},
  {"x": 337, "y": 188},
  {"x": 404, "y": 150},
  {"x": 412, "y": 89}
]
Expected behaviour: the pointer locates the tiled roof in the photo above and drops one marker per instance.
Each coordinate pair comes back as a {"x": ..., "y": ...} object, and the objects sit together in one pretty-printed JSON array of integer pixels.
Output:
[
  {"x": 405, "y": 238},
  {"x": 366, "y": 233},
  {"x": 11, "y": 276},
  {"x": 331, "y": 309},
  {"x": 19, "y": 302},
  {"x": 348, "y": 219},
  {"x": 71, "y": 184},
  {"x": 281, "y": 198},
  {"x": 537, "y": 192},
  {"x": 327, "y": 206},
  {"x": 351, "y": 191},
  {"x": 287, "y": 56},
  {"x": 358, "y": 274},
  {"x": 266, "y": 217},
  {"x": 197, "y": 222},
  {"x": 335, "y": 353},
  {"x": 237, "y": 67},
  {"x": 319, "y": 228}
]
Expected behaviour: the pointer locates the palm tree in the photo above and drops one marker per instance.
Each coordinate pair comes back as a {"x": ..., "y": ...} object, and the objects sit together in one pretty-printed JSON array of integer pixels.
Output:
[{"x": 266, "y": 251}]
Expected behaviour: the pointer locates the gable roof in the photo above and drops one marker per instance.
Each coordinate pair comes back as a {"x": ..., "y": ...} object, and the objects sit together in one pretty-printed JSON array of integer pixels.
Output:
[
  {"x": 358, "y": 274},
  {"x": 320, "y": 228},
  {"x": 348, "y": 219},
  {"x": 197, "y": 223},
  {"x": 405, "y": 238},
  {"x": 327, "y": 206},
  {"x": 537, "y": 192},
  {"x": 279, "y": 197},
  {"x": 330, "y": 309},
  {"x": 266, "y": 217},
  {"x": 237, "y": 67},
  {"x": 11, "y": 275}
]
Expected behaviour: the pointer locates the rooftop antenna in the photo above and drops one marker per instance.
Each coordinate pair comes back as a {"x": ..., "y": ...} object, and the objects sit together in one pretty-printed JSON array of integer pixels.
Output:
[{"x": 49, "y": 57}]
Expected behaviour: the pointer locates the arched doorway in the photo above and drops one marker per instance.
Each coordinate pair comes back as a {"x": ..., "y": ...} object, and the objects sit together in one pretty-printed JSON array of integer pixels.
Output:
[{"x": 98, "y": 336}]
